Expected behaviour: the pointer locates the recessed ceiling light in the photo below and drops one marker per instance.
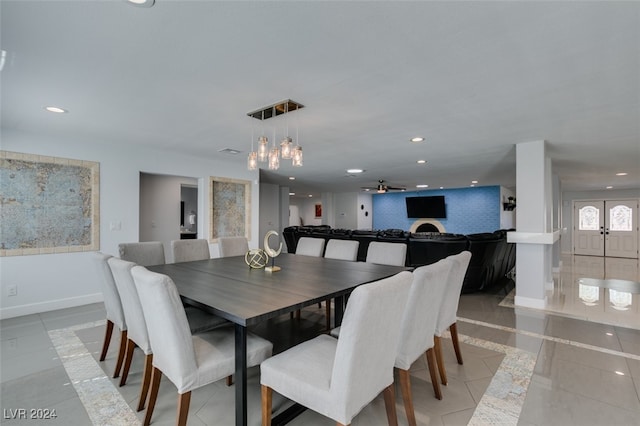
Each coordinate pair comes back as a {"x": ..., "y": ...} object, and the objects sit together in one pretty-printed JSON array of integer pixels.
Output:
[
  {"x": 621, "y": 174},
  {"x": 142, "y": 3},
  {"x": 619, "y": 373},
  {"x": 55, "y": 109},
  {"x": 310, "y": 195},
  {"x": 609, "y": 334},
  {"x": 422, "y": 186},
  {"x": 609, "y": 187},
  {"x": 472, "y": 185},
  {"x": 421, "y": 161},
  {"x": 292, "y": 193},
  {"x": 292, "y": 178},
  {"x": 355, "y": 170},
  {"x": 474, "y": 181},
  {"x": 417, "y": 139},
  {"x": 367, "y": 189},
  {"x": 229, "y": 151}
]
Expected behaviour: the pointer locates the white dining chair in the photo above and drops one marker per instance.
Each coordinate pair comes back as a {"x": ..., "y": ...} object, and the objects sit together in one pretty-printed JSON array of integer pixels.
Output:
[
  {"x": 308, "y": 246},
  {"x": 233, "y": 246},
  {"x": 418, "y": 328},
  {"x": 188, "y": 361},
  {"x": 113, "y": 306},
  {"x": 339, "y": 377},
  {"x": 342, "y": 249},
  {"x": 384, "y": 253},
  {"x": 189, "y": 250},
  {"x": 447, "y": 316},
  {"x": 137, "y": 335},
  {"x": 143, "y": 253}
]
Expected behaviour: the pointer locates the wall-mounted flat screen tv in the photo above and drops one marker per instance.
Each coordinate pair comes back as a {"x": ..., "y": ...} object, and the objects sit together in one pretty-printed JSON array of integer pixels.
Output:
[{"x": 426, "y": 207}]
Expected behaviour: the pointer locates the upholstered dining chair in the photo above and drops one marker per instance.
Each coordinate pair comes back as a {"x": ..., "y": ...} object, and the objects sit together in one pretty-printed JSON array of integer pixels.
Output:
[
  {"x": 308, "y": 246},
  {"x": 144, "y": 253},
  {"x": 447, "y": 316},
  {"x": 387, "y": 253},
  {"x": 339, "y": 377},
  {"x": 342, "y": 250},
  {"x": 137, "y": 335},
  {"x": 113, "y": 306},
  {"x": 418, "y": 328},
  {"x": 188, "y": 361},
  {"x": 233, "y": 246},
  {"x": 188, "y": 250}
]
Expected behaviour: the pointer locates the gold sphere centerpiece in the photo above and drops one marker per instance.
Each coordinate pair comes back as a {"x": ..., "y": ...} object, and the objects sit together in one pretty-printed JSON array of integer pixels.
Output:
[{"x": 256, "y": 258}]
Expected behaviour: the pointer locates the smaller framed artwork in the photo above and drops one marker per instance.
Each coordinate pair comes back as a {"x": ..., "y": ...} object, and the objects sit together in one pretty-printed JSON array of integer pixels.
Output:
[{"x": 318, "y": 210}]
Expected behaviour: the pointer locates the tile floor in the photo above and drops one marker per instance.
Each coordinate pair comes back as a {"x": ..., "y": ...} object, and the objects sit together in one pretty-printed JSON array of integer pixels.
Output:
[{"x": 522, "y": 366}]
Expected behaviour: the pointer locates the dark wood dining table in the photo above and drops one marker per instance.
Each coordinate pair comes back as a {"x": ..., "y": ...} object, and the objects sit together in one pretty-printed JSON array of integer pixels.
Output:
[{"x": 229, "y": 288}]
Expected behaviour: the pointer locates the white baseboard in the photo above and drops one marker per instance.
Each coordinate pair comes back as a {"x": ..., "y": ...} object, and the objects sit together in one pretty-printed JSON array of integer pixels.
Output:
[
  {"x": 51, "y": 305},
  {"x": 529, "y": 302}
]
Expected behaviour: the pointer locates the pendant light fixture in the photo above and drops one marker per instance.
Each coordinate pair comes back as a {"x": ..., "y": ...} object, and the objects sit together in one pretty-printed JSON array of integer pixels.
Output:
[{"x": 286, "y": 150}]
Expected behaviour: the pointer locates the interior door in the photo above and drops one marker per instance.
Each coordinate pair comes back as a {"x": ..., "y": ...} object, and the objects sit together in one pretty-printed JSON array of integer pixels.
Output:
[
  {"x": 621, "y": 228},
  {"x": 588, "y": 228}
]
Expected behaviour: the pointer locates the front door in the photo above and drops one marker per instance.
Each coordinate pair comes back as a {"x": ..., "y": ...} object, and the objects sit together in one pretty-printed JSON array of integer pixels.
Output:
[
  {"x": 621, "y": 228},
  {"x": 606, "y": 228}
]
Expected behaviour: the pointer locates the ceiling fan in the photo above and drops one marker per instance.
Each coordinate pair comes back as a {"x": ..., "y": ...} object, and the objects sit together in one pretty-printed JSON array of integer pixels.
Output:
[{"x": 382, "y": 187}]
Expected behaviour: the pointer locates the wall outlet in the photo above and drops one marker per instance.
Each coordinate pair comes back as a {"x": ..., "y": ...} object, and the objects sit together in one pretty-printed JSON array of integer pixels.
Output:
[{"x": 12, "y": 290}]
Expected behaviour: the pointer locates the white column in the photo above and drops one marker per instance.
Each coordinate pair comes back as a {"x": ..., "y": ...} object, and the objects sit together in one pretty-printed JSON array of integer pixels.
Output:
[{"x": 534, "y": 235}]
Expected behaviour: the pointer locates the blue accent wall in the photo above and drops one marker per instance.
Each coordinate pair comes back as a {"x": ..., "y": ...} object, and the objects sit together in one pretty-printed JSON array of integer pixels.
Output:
[{"x": 469, "y": 210}]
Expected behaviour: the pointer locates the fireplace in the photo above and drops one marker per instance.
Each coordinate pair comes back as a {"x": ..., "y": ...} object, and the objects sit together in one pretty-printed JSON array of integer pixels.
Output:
[{"x": 427, "y": 225}]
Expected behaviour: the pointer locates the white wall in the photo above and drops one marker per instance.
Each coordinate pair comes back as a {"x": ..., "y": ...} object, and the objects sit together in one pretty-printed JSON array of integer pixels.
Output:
[
  {"x": 345, "y": 209},
  {"x": 47, "y": 282},
  {"x": 308, "y": 212},
  {"x": 507, "y": 218},
  {"x": 364, "y": 207}
]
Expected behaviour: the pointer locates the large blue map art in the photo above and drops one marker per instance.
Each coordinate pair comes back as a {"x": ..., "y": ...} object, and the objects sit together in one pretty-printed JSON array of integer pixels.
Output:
[{"x": 47, "y": 205}]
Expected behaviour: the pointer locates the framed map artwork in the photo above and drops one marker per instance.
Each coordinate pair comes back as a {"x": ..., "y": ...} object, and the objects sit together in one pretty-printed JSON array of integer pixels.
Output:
[
  {"x": 230, "y": 210},
  {"x": 48, "y": 205}
]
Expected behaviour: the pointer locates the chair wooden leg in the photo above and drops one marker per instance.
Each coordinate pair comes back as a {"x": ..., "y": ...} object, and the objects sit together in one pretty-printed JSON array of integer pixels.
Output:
[
  {"x": 453, "y": 328},
  {"x": 390, "y": 405},
  {"x": 123, "y": 347},
  {"x": 431, "y": 362},
  {"x": 229, "y": 380},
  {"x": 405, "y": 387},
  {"x": 128, "y": 357},
  {"x": 155, "y": 385},
  {"x": 328, "y": 313},
  {"x": 437, "y": 347},
  {"x": 146, "y": 380},
  {"x": 267, "y": 394},
  {"x": 107, "y": 339},
  {"x": 183, "y": 408}
]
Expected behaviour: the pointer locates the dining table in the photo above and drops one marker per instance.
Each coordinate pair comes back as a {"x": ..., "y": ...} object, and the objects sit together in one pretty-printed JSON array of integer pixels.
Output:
[{"x": 246, "y": 296}]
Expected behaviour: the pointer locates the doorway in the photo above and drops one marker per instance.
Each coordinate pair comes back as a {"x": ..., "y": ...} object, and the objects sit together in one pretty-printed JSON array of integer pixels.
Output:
[{"x": 606, "y": 228}]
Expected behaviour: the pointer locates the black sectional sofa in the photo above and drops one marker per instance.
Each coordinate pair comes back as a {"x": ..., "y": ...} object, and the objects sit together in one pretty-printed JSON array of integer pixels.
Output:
[{"x": 492, "y": 258}]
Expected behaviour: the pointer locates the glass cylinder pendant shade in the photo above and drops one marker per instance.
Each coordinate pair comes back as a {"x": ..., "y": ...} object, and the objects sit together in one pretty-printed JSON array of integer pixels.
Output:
[
  {"x": 297, "y": 156},
  {"x": 252, "y": 160},
  {"x": 263, "y": 148},
  {"x": 286, "y": 148},
  {"x": 274, "y": 158}
]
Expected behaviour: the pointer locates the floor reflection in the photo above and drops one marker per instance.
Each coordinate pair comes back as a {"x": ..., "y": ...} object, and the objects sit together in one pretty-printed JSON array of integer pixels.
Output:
[{"x": 599, "y": 289}]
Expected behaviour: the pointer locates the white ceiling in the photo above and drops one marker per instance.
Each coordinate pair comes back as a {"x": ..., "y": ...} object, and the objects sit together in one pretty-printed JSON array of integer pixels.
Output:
[{"x": 473, "y": 78}]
